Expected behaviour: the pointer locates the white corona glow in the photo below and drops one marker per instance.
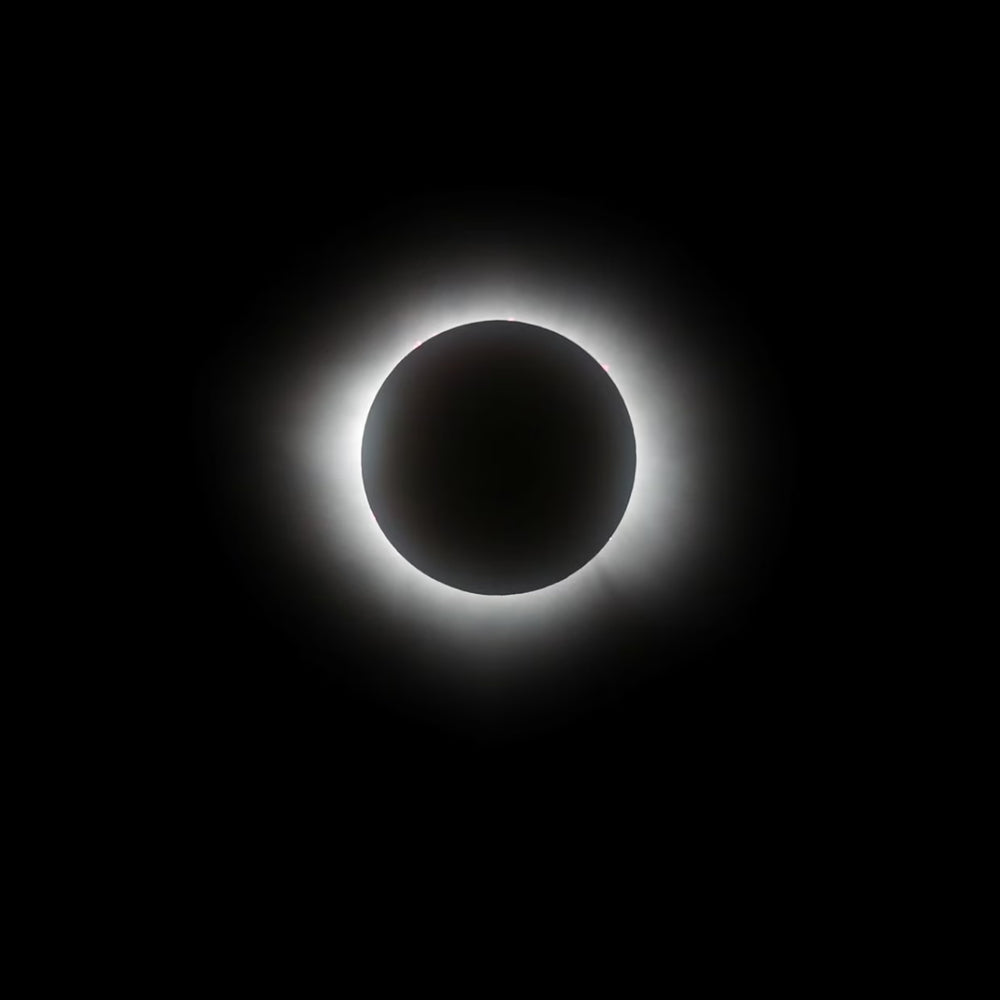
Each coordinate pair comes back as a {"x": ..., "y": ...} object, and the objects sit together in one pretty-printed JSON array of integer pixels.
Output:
[{"x": 660, "y": 526}]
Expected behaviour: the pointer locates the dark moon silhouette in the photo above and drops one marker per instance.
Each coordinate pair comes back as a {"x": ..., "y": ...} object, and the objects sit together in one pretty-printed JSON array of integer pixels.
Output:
[{"x": 498, "y": 457}]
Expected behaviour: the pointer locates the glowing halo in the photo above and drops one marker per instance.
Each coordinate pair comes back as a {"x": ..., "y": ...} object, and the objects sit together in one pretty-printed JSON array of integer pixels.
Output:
[
  {"x": 314, "y": 415},
  {"x": 653, "y": 527}
]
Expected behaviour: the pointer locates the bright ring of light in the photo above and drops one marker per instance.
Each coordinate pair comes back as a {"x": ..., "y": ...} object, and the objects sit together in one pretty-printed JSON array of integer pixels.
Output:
[{"x": 661, "y": 528}]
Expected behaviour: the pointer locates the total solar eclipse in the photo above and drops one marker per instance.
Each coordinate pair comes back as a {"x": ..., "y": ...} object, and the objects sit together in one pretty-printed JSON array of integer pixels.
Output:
[
  {"x": 498, "y": 458},
  {"x": 480, "y": 449}
]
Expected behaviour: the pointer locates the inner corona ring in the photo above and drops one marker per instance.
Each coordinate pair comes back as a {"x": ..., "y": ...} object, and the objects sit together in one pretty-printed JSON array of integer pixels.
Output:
[{"x": 498, "y": 457}]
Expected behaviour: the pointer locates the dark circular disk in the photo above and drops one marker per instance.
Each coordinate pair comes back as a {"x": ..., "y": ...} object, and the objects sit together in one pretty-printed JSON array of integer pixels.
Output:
[{"x": 498, "y": 457}]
